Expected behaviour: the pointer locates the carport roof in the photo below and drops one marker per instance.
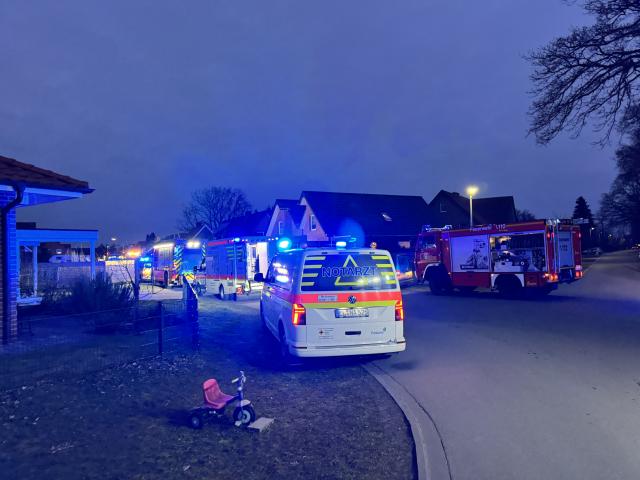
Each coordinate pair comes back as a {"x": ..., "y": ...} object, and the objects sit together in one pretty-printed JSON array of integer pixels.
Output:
[{"x": 12, "y": 171}]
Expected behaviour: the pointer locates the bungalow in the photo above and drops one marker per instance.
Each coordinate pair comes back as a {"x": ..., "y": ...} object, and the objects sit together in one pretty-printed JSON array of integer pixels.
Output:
[{"x": 24, "y": 185}]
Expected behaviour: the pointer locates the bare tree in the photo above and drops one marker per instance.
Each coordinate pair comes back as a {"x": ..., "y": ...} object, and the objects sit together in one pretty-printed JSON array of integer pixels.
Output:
[
  {"x": 524, "y": 215},
  {"x": 620, "y": 207},
  {"x": 591, "y": 74},
  {"x": 213, "y": 206}
]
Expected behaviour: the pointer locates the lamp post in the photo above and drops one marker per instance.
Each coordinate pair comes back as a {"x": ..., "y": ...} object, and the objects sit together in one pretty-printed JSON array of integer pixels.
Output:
[{"x": 471, "y": 191}]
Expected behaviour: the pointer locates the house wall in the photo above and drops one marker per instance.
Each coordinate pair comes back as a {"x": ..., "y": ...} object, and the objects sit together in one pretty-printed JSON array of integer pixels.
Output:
[
  {"x": 317, "y": 235},
  {"x": 446, "y": 212},
  {"x": 10, "y": 318},
  {"x": 289, "y": 227}
]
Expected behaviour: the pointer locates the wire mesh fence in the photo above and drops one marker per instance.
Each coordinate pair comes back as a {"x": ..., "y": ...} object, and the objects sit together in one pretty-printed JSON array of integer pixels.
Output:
[{"x": 77, "y": 344}]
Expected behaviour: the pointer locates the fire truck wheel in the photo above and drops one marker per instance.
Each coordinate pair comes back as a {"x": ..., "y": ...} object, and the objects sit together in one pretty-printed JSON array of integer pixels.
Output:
[
  {"x": 221, "y": 293},
  {"x": 439, "y": 282},
  {"x": 435, "y": 286},
  {"x": 509, "y": 286}
]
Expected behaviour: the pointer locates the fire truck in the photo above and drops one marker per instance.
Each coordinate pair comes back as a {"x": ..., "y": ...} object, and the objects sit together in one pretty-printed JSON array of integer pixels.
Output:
[
  {"x": 534, "y": 256},
  {"x": 231, "y": 264},
  {"x": 167, "y": 262}
]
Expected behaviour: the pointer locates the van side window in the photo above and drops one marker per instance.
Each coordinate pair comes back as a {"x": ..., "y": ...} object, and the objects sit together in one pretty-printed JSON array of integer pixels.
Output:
[
  {"x": 283, "y": 271},
  {"x": 269, "y": 277}
]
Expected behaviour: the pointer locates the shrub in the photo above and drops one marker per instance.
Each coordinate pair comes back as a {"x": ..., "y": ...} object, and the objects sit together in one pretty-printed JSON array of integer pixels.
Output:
[{"x": 109, "y": 302}]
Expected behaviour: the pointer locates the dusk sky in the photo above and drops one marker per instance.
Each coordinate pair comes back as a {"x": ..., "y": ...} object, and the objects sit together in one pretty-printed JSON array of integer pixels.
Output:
[{"x": 149, "y": 100}]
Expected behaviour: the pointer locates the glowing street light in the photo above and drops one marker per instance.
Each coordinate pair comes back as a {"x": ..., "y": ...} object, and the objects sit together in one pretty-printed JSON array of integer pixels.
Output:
[{"x": 471, "y": 191}]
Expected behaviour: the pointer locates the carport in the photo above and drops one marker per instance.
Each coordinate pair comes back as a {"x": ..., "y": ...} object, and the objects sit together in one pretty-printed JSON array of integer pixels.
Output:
[
  {"x": 32, "y": 238},
  {"x": 23, "y": 185}
]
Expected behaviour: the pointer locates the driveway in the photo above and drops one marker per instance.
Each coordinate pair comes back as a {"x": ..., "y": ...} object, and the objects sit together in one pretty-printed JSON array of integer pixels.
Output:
[{"x": 532, "y": 389}]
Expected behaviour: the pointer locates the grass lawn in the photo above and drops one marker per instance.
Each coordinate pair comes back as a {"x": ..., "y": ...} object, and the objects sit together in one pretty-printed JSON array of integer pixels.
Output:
[{"x": 332, "y": 420}]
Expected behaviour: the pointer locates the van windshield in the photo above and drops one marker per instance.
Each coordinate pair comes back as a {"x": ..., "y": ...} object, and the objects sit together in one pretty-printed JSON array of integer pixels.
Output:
[{"x": 347, "y": 271}]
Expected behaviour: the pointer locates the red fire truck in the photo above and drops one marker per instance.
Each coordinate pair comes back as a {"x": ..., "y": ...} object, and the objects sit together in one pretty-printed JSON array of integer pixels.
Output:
[{"x": 535, "y": 256}]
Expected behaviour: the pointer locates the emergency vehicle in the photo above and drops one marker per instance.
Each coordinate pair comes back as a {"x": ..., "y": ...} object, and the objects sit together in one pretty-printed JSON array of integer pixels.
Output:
[
  {"x": 167, "y": 262},
  {"x": 535, "y": 255},
  {"x": 330, "y": 302},
  {"x": 231, "y": 264}
]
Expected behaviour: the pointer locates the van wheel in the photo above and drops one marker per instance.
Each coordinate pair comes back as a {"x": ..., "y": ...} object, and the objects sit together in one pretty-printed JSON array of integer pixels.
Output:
[
  {"x": 286, "y": 358},
  {"x": 221, "y": 292},
  {"x": 263, "y": 320}
]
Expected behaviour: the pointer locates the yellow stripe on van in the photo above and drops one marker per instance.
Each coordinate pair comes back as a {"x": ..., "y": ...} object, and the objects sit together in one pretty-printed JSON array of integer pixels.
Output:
[
  {"x": 309, "y": 275},
  {"x": 376, "y": 303},
  {"x": 379, "y": 257},
  {"x": 307, "y": 284},
  {"x": 384, "y": 265},
  {"x": 315, "y": 258},
  {"x": 391, "y": 282},
  {"x": 312, "y": 266}
]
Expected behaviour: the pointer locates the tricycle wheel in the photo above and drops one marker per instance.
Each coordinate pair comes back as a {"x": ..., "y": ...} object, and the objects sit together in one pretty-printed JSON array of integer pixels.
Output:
[
  {"x": 245, "y": 415},
  {"x": 195, "y": 420}
]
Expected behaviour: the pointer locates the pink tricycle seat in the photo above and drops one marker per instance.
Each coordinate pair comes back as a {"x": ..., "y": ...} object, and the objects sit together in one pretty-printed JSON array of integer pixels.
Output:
[{"x": 213, "y": 396}]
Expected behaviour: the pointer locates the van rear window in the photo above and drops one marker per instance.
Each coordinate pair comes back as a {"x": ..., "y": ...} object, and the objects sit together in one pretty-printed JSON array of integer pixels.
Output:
[{"x": 347, "y": 271}]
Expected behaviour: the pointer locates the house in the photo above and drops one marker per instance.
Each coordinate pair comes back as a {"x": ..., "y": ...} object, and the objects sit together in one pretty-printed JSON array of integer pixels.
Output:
[
  {"x": 23, "y": 185},
  {"x": 451, "y": 208},
  {"x": 286, "y": 219},
  {"x": 391, "y": 221},
  {"x": 250, "y": 225}
]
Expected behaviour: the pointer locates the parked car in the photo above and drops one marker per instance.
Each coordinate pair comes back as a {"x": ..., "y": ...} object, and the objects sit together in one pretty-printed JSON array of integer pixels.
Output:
[
  {"x": 592, "y": 252},
  {"x": 332, "y": 302}
]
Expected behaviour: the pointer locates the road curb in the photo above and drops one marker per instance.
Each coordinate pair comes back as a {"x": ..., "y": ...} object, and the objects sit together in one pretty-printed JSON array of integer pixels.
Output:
[{"x": 430, "y": 453}]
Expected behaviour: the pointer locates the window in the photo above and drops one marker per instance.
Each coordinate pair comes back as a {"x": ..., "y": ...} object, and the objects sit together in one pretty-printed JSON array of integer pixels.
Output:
[
  {"x": 386, "y": 216},
  {"x": 442, "y": 208},
  {"x": 280, "y": 227},
  {"x": 281, "y": 271},
  {"x": 312, "y": 222}
]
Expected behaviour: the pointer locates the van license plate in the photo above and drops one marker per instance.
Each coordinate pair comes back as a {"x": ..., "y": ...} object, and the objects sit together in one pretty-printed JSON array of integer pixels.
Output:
[{"x": 351, "y": 312}]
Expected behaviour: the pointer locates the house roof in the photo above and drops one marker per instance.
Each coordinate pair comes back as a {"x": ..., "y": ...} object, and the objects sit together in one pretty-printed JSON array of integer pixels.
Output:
[
  {"x": 376, "y": 214},
  {"x": 251, "y": 224},
  {"x": 12, "y": 170}
]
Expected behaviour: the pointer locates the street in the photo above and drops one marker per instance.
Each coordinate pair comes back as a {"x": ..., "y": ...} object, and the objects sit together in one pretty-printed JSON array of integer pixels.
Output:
[{"x": 531, "y": 389}]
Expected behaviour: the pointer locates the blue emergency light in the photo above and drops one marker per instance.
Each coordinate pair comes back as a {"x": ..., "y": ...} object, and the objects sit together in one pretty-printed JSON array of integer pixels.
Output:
[
  {"x": 284, "y": 244},
  {"x": 341, "y": 244}
]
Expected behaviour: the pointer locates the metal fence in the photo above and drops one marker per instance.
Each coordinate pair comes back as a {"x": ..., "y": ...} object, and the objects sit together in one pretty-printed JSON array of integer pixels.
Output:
[{"x": 64, "y": 345}]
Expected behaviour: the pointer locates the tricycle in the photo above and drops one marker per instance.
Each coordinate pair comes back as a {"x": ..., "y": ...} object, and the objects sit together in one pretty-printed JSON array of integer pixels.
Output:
[{"x": 216, "y": 401}]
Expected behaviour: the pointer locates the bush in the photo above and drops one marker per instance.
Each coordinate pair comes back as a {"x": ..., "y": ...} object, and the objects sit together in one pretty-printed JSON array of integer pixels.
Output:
[{"x": 109, "y": 301}]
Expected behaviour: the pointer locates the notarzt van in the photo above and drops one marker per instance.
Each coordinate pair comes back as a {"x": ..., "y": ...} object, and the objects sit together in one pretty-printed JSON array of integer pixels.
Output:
[{"x": 328, "y": 302}]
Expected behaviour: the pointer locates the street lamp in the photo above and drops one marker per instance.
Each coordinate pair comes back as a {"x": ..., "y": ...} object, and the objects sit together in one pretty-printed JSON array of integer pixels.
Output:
[{"x": 471, "y": 191}]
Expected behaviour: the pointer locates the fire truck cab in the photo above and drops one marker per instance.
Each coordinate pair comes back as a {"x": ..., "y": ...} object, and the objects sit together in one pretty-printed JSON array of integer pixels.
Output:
[{"x": 535, "y": 256}]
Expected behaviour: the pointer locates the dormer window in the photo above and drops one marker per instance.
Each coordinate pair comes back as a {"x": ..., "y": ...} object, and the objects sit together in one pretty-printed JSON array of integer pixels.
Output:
[{"x": 387, "y": 217}]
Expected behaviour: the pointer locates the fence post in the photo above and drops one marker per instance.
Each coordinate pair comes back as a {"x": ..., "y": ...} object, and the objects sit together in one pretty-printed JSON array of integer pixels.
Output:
[
  {"x": 160, "y": 328},
  {"x": 190, "y": 300}
]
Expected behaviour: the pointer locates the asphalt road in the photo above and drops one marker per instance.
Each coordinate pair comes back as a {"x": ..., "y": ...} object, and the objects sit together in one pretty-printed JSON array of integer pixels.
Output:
[{"x": 532, "y": 389}]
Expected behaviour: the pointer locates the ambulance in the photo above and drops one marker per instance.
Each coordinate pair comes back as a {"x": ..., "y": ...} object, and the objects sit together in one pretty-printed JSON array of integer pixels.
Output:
[{"x": 322, "y": 302}]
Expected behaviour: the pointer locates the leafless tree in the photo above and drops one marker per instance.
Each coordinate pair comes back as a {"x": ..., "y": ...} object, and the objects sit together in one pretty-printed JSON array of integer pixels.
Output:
[
  {"x": 213, "y": 206},
  {"x": 620, "y": 207},
  {"x": 524, "y": 215},
  {"x": 592, "y": 74}
]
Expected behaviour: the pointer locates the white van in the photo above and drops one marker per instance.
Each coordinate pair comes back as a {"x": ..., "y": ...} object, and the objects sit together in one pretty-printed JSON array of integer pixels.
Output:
[{"x": 331, "y": 302}]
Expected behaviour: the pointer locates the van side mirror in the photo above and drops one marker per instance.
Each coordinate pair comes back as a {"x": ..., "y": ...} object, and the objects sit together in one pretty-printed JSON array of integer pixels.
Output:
[{"x": 258, "y": 277}]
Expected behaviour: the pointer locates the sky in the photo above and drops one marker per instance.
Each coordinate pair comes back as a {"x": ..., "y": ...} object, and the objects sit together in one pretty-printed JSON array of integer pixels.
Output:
[{"x": 149, "y": 100}]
